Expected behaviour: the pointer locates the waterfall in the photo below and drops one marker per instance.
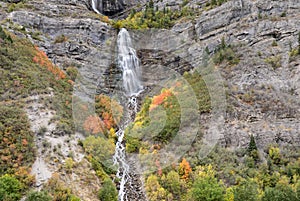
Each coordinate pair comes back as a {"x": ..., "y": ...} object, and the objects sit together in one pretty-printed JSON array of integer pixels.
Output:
[
  {"x": 94, "y": 6},
  {"x": 129, "y": 64}
]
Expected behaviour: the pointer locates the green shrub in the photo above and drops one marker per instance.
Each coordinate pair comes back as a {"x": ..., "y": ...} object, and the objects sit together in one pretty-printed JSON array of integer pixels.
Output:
[
  {"x": 225, "y": 53},
  {"x": 60, "y": 39},
  {"x": 247, "y": 190},
  {"x": 280, "y": 193},
  {"x": 72, "y": 72},
  {"x": 16, "y": 139},
  {"x": 108, "y": 192},
  {"x": 274, "y": 61},
  {"x": 38, "y": 196},
  {"x": 10, "y": 188}
]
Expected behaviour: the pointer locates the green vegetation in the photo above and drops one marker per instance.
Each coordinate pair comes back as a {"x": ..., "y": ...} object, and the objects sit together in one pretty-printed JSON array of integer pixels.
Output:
[
  {"x": 60, "y": 39},
  {"x": 165, "y": 111},
  {"x": 225, "y": 176},
  {"x": 16, "y": 145},
  {"x": 16, "y": 140},
  {"x": 153, "y": 18},
  {"x": 108, "y": 191},
  {"x": 274, "y": 61},
  {"x": 58, "y": 191},
  {"x": 225, "y": 52},
  {"x": 246, "y": 190},
  {"x": 295, "y": 52},
  {"x": 38, "y": 196},
  {"x": 214, "y": 3},
  {"x": 10, "y": 188},
  {"x": 206, "y": 187},
  {"x": 26, "y": 70},
  {"x": 100, "y": 148}
]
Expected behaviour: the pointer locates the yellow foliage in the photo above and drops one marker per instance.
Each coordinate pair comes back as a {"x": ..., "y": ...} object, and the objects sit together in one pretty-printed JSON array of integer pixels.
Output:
[
  {"x": 112, "y": 133},
  {"x": 229, "y": 196},
  {"x": 206, "y": 171}
]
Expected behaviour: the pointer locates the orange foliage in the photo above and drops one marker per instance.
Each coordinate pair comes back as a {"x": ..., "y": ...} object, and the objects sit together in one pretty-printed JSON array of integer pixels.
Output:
[
  {"x": 93, "y": 124},
  {"x": 71, "y": 82},
  {"x": 158, "y": 100},
  {"x": 104, "y": 19},
  {"x": 109, "y": 111},
  {"x": 185, "y": 169},
  {"x": 42, "y": 59}
]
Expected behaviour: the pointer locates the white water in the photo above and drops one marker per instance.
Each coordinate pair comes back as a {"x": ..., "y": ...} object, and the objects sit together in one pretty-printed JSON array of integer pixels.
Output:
[
  {"x": 129, "y": 63},
  {"x": 94, "y": 6}
]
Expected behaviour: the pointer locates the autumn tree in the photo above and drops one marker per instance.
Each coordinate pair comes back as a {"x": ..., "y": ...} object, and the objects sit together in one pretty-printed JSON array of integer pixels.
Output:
[
  {"x": 155, "y": 192},
  {"x": 184, "y": 169},
  {"x": 93, "y": 124}
]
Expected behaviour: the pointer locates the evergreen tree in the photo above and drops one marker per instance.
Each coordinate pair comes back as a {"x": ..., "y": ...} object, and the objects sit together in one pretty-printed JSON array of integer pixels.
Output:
[{"x": 252, "y": 149}]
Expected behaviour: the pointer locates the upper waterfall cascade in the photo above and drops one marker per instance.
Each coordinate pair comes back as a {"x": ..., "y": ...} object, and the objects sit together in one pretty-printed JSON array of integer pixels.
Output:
[{"x": 129, "y": 63}]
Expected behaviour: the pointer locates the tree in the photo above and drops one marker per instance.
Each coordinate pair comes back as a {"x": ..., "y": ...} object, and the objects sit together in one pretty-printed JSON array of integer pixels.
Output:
[
  {"x": 155, "y": 192},
  {"x": 173, "y": 183},
  {"x": 279, "y": 193},
  {"x": 206, "y": 187},
  {"x": 10, "y": 188},
  {"x": 108, "y": 192},
  {"x": 252, "y": 148},
  {"x": 247, "y": 190},
  {"x": 100, "y": 148},
  {"x": 274, "y": 153},
  {"x": 38, "y": 196},
  {"x": 93, "y": 124},
  {"x": 184, "y": 169}
]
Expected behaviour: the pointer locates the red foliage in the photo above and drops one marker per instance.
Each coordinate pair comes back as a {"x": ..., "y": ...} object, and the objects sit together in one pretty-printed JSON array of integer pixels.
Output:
[
  {"x": 93, "y": 124},
  {"x": 42, "y": 59}
]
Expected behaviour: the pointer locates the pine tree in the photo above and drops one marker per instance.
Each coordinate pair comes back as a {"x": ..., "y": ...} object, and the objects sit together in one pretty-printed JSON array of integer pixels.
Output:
[{"x": 252, "y": 148}]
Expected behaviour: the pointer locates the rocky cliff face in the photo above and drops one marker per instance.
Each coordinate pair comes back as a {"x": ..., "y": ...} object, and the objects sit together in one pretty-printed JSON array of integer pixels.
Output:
[{"x": 263, "y": 89}]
